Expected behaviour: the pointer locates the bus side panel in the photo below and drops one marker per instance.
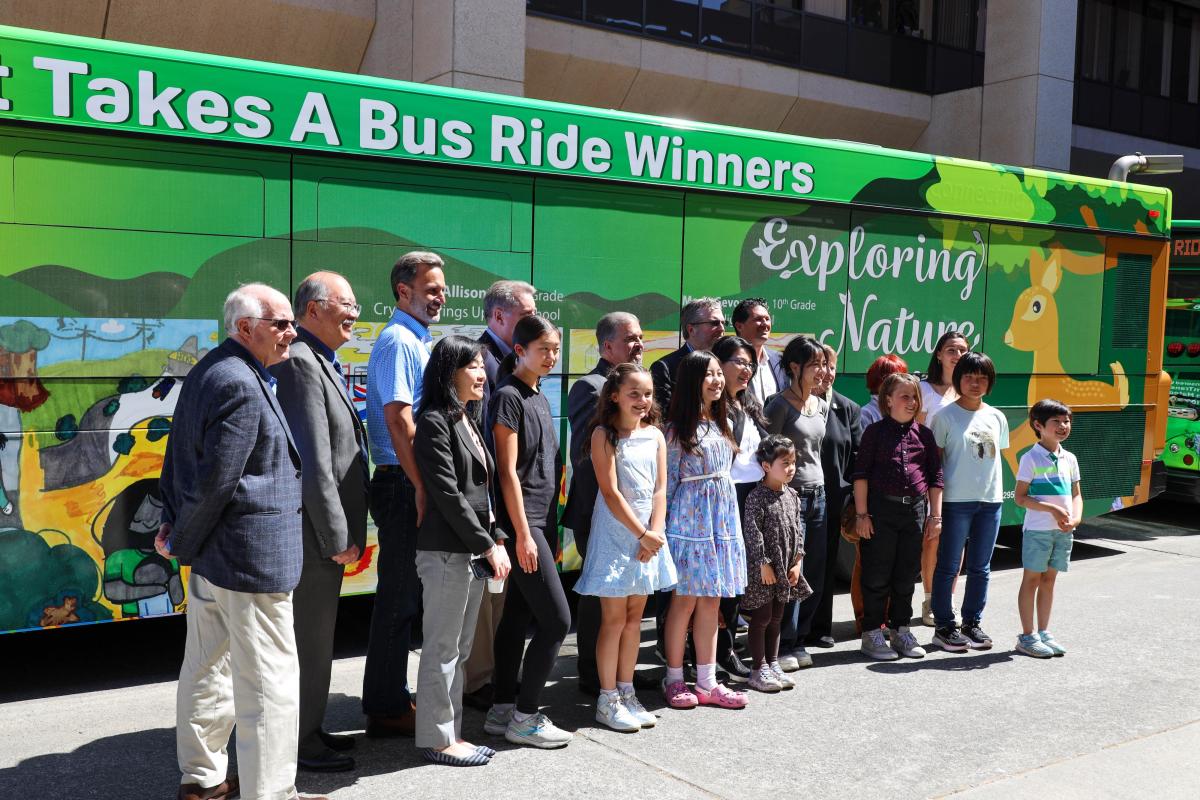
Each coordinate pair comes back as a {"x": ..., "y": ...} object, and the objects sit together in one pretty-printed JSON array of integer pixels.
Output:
[
  {"x": 1181, "y": 455},
  {"x": 114, "y": 262}
]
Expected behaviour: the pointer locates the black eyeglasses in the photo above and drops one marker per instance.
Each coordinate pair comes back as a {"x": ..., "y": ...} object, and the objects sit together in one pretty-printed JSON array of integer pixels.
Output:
[{"x": 280, "y": 325}]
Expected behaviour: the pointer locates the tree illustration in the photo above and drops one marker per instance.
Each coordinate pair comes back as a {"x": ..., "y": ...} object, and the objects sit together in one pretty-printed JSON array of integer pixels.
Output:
[{"x": 20, "y": 342}]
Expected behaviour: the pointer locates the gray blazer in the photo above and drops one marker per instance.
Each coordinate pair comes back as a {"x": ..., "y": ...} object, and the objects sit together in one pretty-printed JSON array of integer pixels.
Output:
[
  {"x": 230, "y": 480},
  {"x": 331, "y": 441}
]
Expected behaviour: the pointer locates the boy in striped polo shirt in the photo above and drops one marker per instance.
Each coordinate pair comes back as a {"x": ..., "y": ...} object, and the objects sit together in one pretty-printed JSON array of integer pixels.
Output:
[{"x": 1048, "y": 489}]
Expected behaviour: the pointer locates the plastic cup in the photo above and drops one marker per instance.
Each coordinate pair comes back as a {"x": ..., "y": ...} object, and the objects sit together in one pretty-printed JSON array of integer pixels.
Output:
[{"x": 495, "y": 585}]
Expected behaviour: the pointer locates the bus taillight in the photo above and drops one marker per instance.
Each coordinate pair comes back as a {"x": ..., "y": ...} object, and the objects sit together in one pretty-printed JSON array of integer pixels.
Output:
[
  {"x": 1194, "y": 349},
  {"x": 1175, "y": 349}
]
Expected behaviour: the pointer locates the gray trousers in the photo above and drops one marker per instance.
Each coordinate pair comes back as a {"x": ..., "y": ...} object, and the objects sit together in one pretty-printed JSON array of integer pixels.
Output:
[
  {"x": 315, "y": 607},
  {"x": 451, "y": 597}
]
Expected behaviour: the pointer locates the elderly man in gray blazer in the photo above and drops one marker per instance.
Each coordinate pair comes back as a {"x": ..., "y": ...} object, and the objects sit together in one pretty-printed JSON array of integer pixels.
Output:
[
  {"x": 332, "y": 444},
  {"x": 230, "y": 487}
]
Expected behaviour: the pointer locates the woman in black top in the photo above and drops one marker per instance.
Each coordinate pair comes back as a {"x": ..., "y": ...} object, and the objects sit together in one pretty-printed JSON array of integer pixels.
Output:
[
  {"x": 527, "y": 468},
  {"x": 457, "y": 528}
]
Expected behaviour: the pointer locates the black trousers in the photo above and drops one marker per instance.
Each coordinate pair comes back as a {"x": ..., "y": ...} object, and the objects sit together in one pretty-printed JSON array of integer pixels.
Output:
[
  {"x": 587, "y": 622},
  {"x": 891, "y": 559},
  {"x": 538, "y": 597},
  {"x": 822, "y": 624}
]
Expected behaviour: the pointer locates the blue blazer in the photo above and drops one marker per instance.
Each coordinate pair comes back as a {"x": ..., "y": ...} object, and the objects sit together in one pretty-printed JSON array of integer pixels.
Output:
[{"x": 230, "y": 480}]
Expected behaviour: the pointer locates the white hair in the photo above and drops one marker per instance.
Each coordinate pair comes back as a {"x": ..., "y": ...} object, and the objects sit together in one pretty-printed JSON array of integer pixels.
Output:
[{"x": 245, "y": 301}]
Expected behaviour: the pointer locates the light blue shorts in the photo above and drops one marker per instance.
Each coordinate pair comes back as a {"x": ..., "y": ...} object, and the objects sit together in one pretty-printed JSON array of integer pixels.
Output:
[{"x": 1042, "y": 549}]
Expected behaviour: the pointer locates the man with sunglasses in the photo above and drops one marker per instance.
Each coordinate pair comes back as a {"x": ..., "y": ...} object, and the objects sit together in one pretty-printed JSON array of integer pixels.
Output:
[
  {"x": 231, "y": 487},
  {"x": 333, "y": 446}
]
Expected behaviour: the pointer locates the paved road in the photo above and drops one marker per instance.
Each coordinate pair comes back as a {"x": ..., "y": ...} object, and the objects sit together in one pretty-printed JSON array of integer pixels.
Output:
[{"x": 89, "y": 714}]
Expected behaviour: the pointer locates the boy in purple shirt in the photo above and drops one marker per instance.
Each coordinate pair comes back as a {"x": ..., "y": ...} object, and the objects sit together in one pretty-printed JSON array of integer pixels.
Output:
[{"x": 897, "y": 475}]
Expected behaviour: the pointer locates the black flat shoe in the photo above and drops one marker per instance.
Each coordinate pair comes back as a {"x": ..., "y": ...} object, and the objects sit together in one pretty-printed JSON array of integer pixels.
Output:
[
  {"x": 339, "y": 742},
  {"x": 476, "y": 759},
  {"x": 326, "y": 762},
  {"x": 820, "y": 641},
  {"x": 738, "y": 671}
]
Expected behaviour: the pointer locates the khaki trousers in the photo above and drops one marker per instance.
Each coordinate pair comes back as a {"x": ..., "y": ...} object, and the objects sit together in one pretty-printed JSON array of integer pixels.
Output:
[{"x": 239, "y": 667}]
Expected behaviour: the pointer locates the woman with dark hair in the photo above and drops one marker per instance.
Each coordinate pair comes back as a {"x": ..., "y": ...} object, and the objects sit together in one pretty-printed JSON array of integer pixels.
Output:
[
  {"x": 839, "y": 448},
  {"x": 937, "y": 392},
  {"x": 458, "y": 528},
  {"x": 703, "y": 528},
  {"x": 527, "y": 469},
  {"x": 739, "y": 362},
  {"x": 799, "y": 414}
]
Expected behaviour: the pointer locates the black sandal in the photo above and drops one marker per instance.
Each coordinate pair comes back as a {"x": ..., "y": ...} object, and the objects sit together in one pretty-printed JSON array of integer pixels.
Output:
[{"x": 476, "y": 759}]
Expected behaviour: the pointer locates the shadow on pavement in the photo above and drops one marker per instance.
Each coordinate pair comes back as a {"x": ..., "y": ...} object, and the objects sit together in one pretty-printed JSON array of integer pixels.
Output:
[{"x": 954, "y": 662}]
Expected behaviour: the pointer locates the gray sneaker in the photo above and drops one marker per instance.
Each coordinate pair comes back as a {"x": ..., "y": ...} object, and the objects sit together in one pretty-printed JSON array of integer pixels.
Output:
[
  {"x": 874, "y": 645},
  {"x": 612, "y": 712},
  {"x": 784, "y": 680},
  {"x": 788, "y": 662},
  {"x": 630, "y": 701},
  {"x": 764, "y": 679},
  {"x": 905, "y": 644},
  {"x": 802, "y": 657},
  {"x": 496, "y": 722},
  {"x": 538, "y": 731}
]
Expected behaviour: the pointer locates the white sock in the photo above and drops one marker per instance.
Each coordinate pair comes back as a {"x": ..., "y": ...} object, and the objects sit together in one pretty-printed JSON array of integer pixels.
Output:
[
  {"x": 624, "y": 688},
  {"x": 706, "y": 676},
  {"x": 519, "y": 716},
  {"x": 674, "y": 675},
  {"x": 928, "y": 597},
  {"x": 612, "y": 693}
]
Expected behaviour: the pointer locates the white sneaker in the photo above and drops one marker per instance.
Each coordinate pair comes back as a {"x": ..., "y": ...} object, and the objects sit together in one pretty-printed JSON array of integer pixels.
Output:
[
  {"x": 764, "y": 679},
  {"x": 784, "y": 681},
  {"x": 634, "y": 706},
  {"x": 788, "y": 662},
  {"x": 873, "y": 645},
  {"x": 538, "y": 731},
  {"x": 612, "y": 712},
  {"x": 496, "y": 722},
  {"x": 905, "y": 644}
]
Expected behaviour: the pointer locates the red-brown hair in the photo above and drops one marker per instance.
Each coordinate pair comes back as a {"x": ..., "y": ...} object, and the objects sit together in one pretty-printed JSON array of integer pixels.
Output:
[{"x": 884, "y": 366}]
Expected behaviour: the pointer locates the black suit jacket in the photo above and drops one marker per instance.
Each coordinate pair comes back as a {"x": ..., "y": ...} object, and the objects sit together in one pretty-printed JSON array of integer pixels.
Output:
[
  {"x": 491, "y": 364},
  {"x": 839, "y": 448},
  {"x": 458, "y": 486},
  {"x": 581, "y": 497},
  {"x": 662, "y": 372}
]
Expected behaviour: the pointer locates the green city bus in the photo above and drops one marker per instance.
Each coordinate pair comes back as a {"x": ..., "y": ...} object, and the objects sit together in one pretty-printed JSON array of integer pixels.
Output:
[
  {"x": 140, "y": 185},
  {"x": 1181, "y": 360}
]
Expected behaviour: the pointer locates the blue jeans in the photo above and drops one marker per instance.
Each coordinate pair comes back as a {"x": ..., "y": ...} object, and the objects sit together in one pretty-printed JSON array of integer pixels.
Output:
[
  {"x": 798, "y": 617},
  {"x": 973, "y": 525},
  {"x": 392, "y": 502}
]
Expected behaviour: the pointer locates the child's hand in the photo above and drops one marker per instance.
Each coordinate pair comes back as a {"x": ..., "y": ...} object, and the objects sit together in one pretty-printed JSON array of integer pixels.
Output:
[
  {"x": 933, "y": 527},
  {"x": 1071, "y": 524},
  {"x": 794, "y": 575},
  {"x": 864, "y": 528},
  {"x": 1063, "y": 518},
  {"x": 653, "y": 541},
  {"x": 768, "y": 574}
]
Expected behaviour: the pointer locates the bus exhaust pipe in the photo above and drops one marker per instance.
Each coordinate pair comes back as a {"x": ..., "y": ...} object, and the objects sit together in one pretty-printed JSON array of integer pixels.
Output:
[{"x": 1138, "y": 164}]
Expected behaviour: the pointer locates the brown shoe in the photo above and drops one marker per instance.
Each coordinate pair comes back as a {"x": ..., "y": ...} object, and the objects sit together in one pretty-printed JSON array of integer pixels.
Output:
[
  {"x": 225, "y": 790},
  {"x": 391, "y": 727}
]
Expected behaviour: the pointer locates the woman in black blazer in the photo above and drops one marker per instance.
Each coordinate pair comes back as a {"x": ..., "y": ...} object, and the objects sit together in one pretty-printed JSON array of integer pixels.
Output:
[{"x": 458, "y": 527}]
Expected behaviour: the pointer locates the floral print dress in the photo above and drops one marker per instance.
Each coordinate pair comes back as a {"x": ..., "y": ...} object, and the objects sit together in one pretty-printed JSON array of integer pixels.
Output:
[{"x": 703, "y": 528}]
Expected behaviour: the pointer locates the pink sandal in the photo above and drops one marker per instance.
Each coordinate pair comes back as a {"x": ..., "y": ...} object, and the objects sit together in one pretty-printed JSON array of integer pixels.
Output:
[
  {"x": 721, "y": 697},
  {"x": 678, "y": 695}
]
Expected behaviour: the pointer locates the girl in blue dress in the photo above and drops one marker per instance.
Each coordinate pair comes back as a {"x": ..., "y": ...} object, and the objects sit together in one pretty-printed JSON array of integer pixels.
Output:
[
  {"x": 703, "y": 528},
  {"x": 627, "y": 557}
]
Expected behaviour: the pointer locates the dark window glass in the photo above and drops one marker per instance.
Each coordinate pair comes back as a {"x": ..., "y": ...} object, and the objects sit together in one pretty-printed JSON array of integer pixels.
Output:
[
  {"x": 1183, "y": 78},
  {"x": 726, "y": 25},
  {"x": 1095, "y": 40},
  {"x": 824, "y": 45},
  {"x": 867, "y": 13},
  {"x": 571, "y": 9},
  {"x": 673, "y": 19},
  {"x": 620, "y": 14},
  {"x": 777, "y": 33},
  {"x": 955, "y": 21},
  {"x": 1127, "y": 44},
  {"x": 1155, "y": 42}
]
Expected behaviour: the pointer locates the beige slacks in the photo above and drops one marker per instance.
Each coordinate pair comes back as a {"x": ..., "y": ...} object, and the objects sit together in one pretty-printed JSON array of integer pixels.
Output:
[
  {"x": 239, "y": 667},
  {"x": 481, "y": 662}
]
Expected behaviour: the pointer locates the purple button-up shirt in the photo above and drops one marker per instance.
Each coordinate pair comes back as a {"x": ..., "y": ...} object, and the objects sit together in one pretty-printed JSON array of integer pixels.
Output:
[{"x": 899, "y": 459}]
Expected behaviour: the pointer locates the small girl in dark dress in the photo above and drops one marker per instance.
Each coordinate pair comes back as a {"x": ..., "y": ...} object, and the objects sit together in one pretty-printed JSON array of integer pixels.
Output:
[{"x": 773, "y": 527}]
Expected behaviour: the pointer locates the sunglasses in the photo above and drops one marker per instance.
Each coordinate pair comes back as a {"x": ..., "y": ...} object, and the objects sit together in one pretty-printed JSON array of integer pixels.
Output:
[{"x": 280, "y": 325}]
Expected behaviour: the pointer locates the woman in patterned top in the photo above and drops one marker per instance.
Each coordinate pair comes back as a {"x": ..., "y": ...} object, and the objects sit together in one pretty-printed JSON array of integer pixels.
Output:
[
  {"x": 774, "y": 532},
  {"x": 703, "y": 529}
]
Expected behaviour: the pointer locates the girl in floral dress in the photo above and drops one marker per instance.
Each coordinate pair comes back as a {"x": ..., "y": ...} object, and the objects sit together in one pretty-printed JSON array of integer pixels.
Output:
[{"x": 703, "y": 528}]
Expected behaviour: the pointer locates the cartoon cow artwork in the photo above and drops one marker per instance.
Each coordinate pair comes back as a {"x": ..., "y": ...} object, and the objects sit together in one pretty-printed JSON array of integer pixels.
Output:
[{"x": 1034, "y": 328}]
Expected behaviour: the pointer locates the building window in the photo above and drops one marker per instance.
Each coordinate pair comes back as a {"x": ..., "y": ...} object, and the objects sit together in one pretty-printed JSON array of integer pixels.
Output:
[
  {"x": 1138, "y": 68},
  {"x": 927, "y": 46}
]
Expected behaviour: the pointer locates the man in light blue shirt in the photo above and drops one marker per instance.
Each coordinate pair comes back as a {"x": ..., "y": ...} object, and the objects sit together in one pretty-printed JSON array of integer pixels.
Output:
[{"x": 397, "y": 495}]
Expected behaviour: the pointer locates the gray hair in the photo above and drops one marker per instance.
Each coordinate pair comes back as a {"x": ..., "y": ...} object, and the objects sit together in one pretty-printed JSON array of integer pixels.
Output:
[
  {"x": 241, "y": 303},
  {"x": 310, "y": 289},
  {"x": 691, "y": 313},
  {"x": 611, "y": 323},
  {"x": 503, "y": 294},
  {"x": 405, "y": 270}
]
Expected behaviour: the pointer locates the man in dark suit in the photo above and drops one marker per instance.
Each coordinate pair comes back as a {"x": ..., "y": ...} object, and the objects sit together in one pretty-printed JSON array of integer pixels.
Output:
[
  {"x": 504, "y": 305},
  {"x": 839, "y": 449},
  {"x": 619, "y": 337},
  {"x": 752, "y": 321},
  {"x": 231, "y": 488},
  {"x": 332, "y": 444},
  {"x": 702, "y": 322}
]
